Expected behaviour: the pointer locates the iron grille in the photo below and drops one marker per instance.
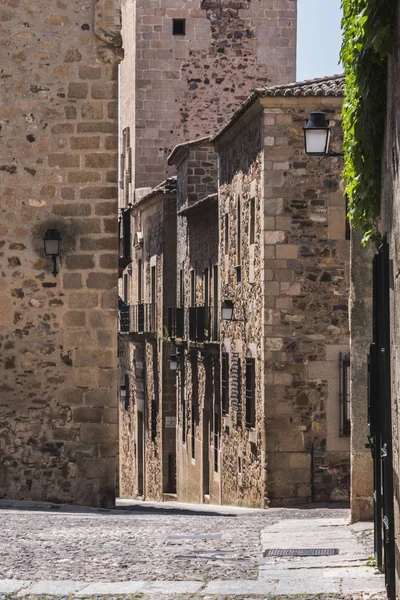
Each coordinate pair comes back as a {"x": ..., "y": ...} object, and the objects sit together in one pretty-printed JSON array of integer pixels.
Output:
[{"x": 302, "y": 552}]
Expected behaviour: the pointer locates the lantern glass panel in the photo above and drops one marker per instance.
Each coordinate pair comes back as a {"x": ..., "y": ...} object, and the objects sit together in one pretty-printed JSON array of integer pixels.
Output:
[
  {"x": 317, "y": 141},
  {"x": 52, "y": 247}
]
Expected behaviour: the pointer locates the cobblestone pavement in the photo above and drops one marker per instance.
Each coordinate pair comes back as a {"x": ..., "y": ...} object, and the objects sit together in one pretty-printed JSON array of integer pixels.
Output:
[{"x": 169, "y": 552}]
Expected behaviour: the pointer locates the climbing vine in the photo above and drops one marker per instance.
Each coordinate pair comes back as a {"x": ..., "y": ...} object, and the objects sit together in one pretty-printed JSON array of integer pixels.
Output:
[{"x": 367, "y": 37}]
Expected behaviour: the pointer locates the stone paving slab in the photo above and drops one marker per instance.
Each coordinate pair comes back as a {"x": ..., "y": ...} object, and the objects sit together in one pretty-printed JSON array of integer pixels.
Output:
[
  {"x": 240, "y": 587},
  {"x": 107, "y": 588},
  {"x": 57, "y": 588},
  {"x": 173, "y": 587},
  {"x": 312, "y": 584},
  {"x": 9, "y": 586}
]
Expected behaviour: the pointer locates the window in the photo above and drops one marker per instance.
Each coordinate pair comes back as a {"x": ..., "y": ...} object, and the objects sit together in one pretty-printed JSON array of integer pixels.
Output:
[
  {"x": 236, "y": 387},
  {"x": 226, "y": 233},
  {"x": 193, "y": 434},
  {"x": 238, "y": 241},
  {"x": 140, "y": 282},
  {"x": 181, "y": 289},
  {"x": 225, "y": 382},
  {"x": 252, "y": 221},
  {"x": 153, "y": 299},
  {"x": 183, "y": 397},
  {"x": 250, "y": 392},
  {"x": 217, "y": 429},
  {"x": 206, "y": 288},
  {"x": 178, "y": 27},
  {"x": 154, "y": 411},
  {"x": 192, "y": 288},
  {"x": 128, "y": 392},
  {"x": 344, "y": 394}
]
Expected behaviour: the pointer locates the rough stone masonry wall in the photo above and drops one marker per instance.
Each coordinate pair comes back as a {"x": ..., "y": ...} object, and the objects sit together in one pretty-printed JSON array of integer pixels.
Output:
[
  {"x": 186, "y": 86},
  {"x": 306, "y": 310},
  {"x": 242, "y": 450},
  {"x": 58, "y": 413},
  {"x": 391, "y": 227}
]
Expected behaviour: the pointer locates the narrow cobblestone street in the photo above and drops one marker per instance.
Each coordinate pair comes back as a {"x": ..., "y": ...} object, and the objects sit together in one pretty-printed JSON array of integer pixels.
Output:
[{"x": 171, "y": 551}]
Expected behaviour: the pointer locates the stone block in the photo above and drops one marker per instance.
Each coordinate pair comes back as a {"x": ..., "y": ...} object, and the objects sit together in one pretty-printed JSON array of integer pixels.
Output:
[
  {"x": 110, "y": 415},
  {"x": 71, "y": 396},
  {"x": 80, "y": 261},
  {"x": 84, "y": 177},
  {"x": 85, "y": 377},
  {"x": 102, "y": 396},
  {"x": 77, "y": 90},
  {"x": 86, "y": 72},
  {"x": 85, "y": 143},
  {"x": 103, "y": 243},
  {"x": 109, "y": 261},
  {"x": 87, "y": 415},
  {"x": 108, "y": 379},
  {"x": 83, "y": 300},
  {"x": 72, "y": 281},
  {"x": 287, "y": 251},
  {"x": 62, "y": 160},
  {"x": 100, "y": 193},
  {"x": 321, "y": 369},
  {"x": 104, "y": 91},
  {"x": 97, "y": 127},
  {"x": 102, "y": 280},
  {"x": 90, "y": 357},
  {"x": 94, "y": 433},
  {"x": 92, "y": 111},
  {"x": 72, "y": 210},
  {"x": 74, "y": 318},
  {"x": 101, "y": 160},
  {"x": 110, "y": 225},
  {"x": 106, "y": 208}
]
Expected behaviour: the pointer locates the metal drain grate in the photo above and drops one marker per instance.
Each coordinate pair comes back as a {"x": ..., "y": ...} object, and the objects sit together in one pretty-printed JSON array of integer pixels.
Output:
[{"x": 302, "y": 552}]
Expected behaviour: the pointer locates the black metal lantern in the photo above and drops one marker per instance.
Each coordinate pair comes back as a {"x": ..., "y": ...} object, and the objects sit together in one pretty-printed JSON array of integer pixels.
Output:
[
  {"x": 52, "y": 242},
  {"x": 173, "y": 362},
  {"x": 227, "y": 310},
  {"x": 122, "y": 391},
  {"x": 317, "y": 134}
]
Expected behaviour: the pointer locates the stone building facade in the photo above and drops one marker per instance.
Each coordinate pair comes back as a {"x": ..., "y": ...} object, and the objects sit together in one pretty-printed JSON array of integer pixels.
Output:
[
  {"x": 148, "y": 406},
  {"x": 262, "y": 403},
  {"x": 284, "y": 262},
  {"x": 195, "y": 325},
  {"x": 58, "y": 409},
  {"x": 188, "y": 65},
  {"x": 186, "y": 68}
]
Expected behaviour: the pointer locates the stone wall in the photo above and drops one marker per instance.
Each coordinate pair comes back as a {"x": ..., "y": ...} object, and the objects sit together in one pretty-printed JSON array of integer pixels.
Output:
[
  {"x": 390, "y": 226},
  {"x": 243, "y": 455},
  {"x": 185, "y": 86},
  {"x": 306, "y": 307},
  {"x": 145, "y": 354},
  {"x": 58, "y": 334}
]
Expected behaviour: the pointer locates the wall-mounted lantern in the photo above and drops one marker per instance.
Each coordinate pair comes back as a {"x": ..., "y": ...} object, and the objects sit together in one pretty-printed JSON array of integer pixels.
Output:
[
  {"x": 52, "y": 243},
  {"x": 317, "y": 135},
  {"x": 173, "y": 362},
  {"x": 122, "y": 391},
  {"x": 227, "y": 308}
]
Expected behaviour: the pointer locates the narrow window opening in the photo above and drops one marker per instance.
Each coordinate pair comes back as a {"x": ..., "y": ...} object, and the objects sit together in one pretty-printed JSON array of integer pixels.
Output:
[
  {"x": 226, "y": 233},
  {"x": 217, "y": 430},
  {"x": 192, "y": 288},
  {"x": 225, "y": 383},
  {"x": 193, "y": 434},
  {"x": 348, "y": 227},
  {"x": 178, "y": 27},
  {"x": 250, "y": 392},
  {"x": 344, "y": 394},
  {"x": 181, "y": 289},
  {"x": 128, "y": 392},
  {"x": 252, "y": 224},
  {"x": 238, "y": 241}
]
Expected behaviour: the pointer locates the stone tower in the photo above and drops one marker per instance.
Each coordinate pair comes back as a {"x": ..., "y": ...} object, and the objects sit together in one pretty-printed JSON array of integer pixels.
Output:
[
  {"x": 187, "y": 67},
  {"x": 58, "y": 170}
]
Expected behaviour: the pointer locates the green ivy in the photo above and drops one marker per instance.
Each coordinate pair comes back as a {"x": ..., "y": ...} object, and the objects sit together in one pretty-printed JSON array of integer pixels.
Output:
[{"x": 367, "y": 38}]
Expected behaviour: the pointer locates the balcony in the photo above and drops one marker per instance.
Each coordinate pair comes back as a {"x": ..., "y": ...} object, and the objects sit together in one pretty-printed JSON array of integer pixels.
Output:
[
  {"x": 143, "y": 318},
  {"x": 196, "y": 323},
  {"x": 176, "y": 322},
  {"x": 124, "y": 236}
]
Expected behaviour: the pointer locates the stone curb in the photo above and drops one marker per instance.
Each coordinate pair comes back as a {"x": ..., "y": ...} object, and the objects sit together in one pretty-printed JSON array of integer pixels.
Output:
[{"x": 240, "y": 587}]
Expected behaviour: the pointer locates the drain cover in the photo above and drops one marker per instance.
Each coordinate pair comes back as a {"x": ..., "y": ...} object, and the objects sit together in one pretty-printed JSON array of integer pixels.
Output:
[{"x": 302, "y": 552}]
